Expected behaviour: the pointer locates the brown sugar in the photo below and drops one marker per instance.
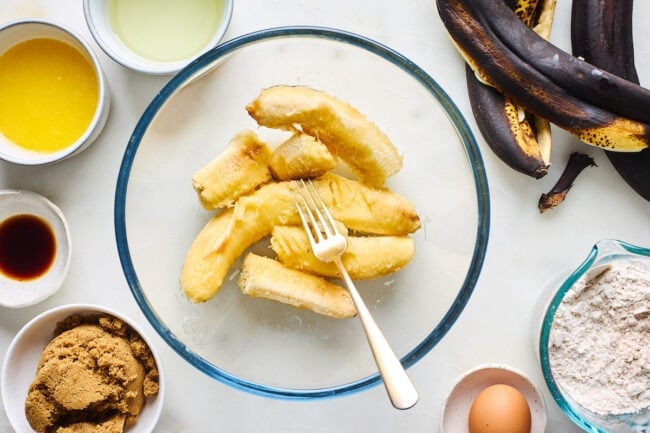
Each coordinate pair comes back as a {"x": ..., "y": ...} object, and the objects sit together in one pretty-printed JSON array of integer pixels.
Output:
[{"x": 94, "y": 376}]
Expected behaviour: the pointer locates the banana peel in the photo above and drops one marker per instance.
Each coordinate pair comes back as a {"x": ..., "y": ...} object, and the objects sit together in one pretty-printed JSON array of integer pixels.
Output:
[
  {"x": 577, "y": 162},
  {"x": 585, "y": 81},
  {"x": 601, "y": 33},
  {"x": 519, "y": 138},
  {"x": 476, "y": 27}
]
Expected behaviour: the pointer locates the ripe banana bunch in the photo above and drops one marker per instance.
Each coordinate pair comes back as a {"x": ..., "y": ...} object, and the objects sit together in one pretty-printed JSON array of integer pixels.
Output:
[
  {"x": 597, "y": 106},
  {"x": 252, "y": 187}
]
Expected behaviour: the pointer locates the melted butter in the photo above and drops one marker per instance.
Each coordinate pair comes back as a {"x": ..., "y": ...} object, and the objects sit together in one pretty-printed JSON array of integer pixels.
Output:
[
  {"x": 49, "y": 94},
  {"x": 165, "y": 30}
]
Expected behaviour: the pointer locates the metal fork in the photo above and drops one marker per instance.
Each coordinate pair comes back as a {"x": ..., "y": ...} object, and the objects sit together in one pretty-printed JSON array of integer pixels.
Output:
[{"x": 328, "y": 244}]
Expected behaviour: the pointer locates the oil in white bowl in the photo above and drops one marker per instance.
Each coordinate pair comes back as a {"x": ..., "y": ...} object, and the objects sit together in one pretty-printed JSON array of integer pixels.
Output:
[{"x": 166, "y": 30}]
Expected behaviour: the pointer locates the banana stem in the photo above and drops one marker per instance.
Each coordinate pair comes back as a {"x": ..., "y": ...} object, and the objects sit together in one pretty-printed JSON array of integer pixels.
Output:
[{"x": 577, "y": 162}]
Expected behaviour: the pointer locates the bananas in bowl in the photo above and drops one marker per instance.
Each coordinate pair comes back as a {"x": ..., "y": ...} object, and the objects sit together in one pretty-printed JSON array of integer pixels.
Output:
[{"x": 251, "y": 187}]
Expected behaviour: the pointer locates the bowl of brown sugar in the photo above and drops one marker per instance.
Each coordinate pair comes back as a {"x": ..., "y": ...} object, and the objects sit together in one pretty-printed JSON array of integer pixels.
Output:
[{"x": 82, "y": 366}]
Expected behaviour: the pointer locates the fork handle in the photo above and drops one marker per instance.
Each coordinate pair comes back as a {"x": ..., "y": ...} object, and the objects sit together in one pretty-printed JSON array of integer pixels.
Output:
[{"x": 401, "y": 391}]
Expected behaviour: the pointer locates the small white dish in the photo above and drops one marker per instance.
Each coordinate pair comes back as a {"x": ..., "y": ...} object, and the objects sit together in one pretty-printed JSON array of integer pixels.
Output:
[
  {"x": 23, "y": 354},
  {"x": 456, "y": 408},
  {"x": 15, "y": 32},
  {"x": 98, "y": 19},
  {"x": 16, "y": 293}
]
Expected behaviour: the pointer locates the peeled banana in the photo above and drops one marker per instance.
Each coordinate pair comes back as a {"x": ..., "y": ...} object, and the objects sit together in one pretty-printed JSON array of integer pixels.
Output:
[
  {"x": 227, "y": 235},
  {"x": 594, "y": 105},
  {"x": 367, "y": 257},
  {"x": 347, "y": 133},
  {"x": 301, "y": 156},
  {"x": 601, "y": 33},
  {"x": 209, "y": 258},
  {"x": 263, "y": 277},
  {"x": 240, "y": 168}
]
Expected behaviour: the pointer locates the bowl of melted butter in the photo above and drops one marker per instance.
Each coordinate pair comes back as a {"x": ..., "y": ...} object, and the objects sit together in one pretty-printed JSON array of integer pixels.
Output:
[{"x": 55, "y": 98}]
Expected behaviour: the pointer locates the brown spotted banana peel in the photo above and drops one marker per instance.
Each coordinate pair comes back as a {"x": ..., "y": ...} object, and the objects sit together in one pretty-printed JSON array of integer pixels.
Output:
[
  {"x": 601, "y": 33},
  {"x": 519, "y": 138},
  {"x": 511, "y": 74},
  {"x": 584, "y": 80}
]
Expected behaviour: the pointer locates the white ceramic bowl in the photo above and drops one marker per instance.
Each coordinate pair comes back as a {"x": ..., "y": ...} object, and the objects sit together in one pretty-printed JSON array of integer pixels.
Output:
[
  {"x": 15, "y": 32},
  {"x": 468, "y": 385},
  {"x": 21, "y": 359},
  {"x": 14, "y": 293},
  {"x": 98, "y": 20}
]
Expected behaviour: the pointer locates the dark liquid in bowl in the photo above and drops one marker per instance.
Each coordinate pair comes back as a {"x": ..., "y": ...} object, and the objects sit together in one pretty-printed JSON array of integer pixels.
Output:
[{"x": 27, "y": 247}]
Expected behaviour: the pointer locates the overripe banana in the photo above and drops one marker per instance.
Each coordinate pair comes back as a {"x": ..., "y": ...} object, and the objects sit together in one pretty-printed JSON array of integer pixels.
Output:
[
  {"x": 534, "y": 73},
  {"x": 601, "y": 33},
  {"x": 519, "y": 138}
]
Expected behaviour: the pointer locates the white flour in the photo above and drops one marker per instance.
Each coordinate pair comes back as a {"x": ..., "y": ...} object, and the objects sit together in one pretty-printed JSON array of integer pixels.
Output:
[{"x": 599, "y": 345}]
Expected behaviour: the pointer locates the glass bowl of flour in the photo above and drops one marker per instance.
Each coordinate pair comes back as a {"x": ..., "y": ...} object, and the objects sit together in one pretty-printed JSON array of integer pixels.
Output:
[{"x": 594, "y": 342}]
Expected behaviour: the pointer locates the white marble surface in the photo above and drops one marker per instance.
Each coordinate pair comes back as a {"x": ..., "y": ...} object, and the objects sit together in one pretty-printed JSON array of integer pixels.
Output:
[{"x": 527, "y": 250}]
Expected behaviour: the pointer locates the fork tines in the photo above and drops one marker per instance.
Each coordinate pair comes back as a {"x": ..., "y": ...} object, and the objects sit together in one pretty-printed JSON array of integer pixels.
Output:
[{"x": 316, "y": 218}]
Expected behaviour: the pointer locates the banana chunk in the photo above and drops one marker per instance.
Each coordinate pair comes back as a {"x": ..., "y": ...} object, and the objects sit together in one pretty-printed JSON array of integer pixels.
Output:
[
  {"x": 208, "y": 259},
  {"x": 347, "y": 133},
  {"x": 360, "y": 208},
  {"x": 367, "y": 210},
  {"x": 366, "y": 257},
  {"x": 301, "y": 156},
  {"x": 242, "y": 167},
  {"x": 227, "y": 235},
  {"x": 263, "y": 277}
]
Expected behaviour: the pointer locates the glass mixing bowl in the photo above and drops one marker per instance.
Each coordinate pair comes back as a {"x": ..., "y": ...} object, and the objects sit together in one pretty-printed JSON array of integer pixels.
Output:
[
  {"x": 270, "y": 348},
  {"x": 603, "y": 253}
]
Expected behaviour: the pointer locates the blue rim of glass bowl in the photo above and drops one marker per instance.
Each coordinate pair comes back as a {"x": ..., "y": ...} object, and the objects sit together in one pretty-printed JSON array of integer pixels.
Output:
[
  {"x": 204, "y": 62},
  {"x": 547, "y": 323}
]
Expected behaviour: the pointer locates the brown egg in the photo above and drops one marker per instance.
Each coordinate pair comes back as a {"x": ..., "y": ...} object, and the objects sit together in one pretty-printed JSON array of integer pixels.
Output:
[{"x": 499, "y": 409}]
